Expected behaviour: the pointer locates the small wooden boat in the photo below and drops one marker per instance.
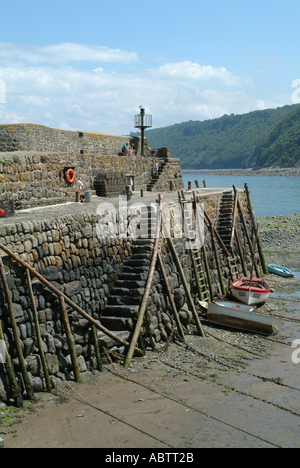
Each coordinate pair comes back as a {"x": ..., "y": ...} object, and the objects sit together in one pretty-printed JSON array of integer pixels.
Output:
[
  {"x": 250, "y": 290},
  {"x": 241, "y": 316},
  {"x": 279, "y": 270}
]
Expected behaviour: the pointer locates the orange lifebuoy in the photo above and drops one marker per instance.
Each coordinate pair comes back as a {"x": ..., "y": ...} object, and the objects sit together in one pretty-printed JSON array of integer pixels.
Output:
[
  {"x": 70, "y": 176},
  {"x": 2, "y": 212}
]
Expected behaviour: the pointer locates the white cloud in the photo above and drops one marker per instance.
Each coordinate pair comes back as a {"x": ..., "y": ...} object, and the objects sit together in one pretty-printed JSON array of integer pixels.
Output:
[
  {"x": 64, "y": 53},
  {"x": 43, "y": 88}
]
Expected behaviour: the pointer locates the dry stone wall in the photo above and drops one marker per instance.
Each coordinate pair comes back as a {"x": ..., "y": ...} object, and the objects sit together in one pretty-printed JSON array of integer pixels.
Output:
[
  {"x": 33, "y": 160},
  {"x": 86, "y": 263}
]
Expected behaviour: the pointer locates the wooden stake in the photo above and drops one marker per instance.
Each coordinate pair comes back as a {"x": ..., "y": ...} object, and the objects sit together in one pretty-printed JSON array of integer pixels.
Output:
[
  {"x": 185, "y": 285},
  {"x": 170, "y": 295},
  {"x": 71, "y": 345},
  {"x": 259, "y": 247},
  {"x": 247, "y": 235},
  {"x": 15, "y": 329},
  {"x": 14, "y": 387},
  {"x": 97, "y": 351},
  {"x": 143, "y": 306},
  {"x": 38, "y": 334},
  {"x": 67, "y": 299},
  {"x": 217, "y": 262}
]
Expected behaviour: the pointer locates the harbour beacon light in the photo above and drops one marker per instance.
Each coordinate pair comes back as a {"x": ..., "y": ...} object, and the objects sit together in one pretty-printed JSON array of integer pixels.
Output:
[{"x": 142, "y": 121}]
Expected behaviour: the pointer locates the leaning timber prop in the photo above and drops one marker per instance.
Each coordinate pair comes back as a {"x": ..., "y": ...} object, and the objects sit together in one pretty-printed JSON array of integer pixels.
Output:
[
  {"x": 71, "y": 344},
  {"x": 97, "y": 351},
  {"x": 14, "y": 387},
  {"x": 184, "y": 282},
  {"x": 247, "y": 236},
  {"x": 170, "y": 295},
  {"x": 214, "y": 233},
  {"x": 143, "y": 306},
  {"x": 237, "y": 238},
  {"x": 15, "y": 329},
  {"x": 259, "y": 247},
  {"x": 67, "y": 299},
  {"x": 233, "y": 220},
  {"x": 38, "y": 333}
]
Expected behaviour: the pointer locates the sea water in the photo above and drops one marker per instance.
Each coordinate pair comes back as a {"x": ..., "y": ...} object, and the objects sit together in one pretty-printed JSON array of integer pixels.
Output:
[{"x": 270, "y": 195}]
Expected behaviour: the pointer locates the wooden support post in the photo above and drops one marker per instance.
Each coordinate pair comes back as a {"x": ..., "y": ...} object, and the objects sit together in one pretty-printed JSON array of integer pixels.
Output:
[
  {"x": 67, "y": 299},
  {"x": 217, "y": 261},
  {"x": 204, "y": 184},
  {"x": 71, "y": 345},
  {"x": 234, "y": 218},
  {"x": 15, "y": 329},
  {"x": 240, "y": 252},
  {"x": 196, "y": 183},
  {"x": 247, "y": 236},
  {"x": 170, "y": 295},
  {"x": 259, "y": 247},
  {"x": 143, "y": 306},
  {"x": 185, "y": 285},
  {"x": 97, "y": 351},
  {"x": 14, "y": 387},
  {"x": 38, "y": 334}
]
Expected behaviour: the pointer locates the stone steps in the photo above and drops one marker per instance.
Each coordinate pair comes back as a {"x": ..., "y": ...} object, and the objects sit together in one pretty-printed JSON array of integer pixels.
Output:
[{"x": 120, "y": 314}]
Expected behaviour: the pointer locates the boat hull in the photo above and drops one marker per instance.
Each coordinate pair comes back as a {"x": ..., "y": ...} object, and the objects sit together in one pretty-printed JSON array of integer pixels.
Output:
[
  {"x": 250, "y": 291},
  {"x": 281, "y": 271},
  {"x": 242, "y": 317}
]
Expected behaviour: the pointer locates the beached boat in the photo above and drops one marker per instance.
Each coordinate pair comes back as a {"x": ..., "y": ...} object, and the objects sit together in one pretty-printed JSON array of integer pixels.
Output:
[
  {"x": 250, "y": 290},
  {"x": 241, "y": 316},
  {"x": 279, "y": 270}
]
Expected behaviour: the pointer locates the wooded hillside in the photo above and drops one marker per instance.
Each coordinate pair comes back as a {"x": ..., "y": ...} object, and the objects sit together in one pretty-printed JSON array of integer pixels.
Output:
[{"x": 264, "y": 138}]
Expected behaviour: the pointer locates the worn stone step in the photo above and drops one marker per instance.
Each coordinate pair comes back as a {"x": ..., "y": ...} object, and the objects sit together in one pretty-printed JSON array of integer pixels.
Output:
[
  {"x": 129, "y": 284},
  {"x": 138, "y": 262},
  {"x": 134, "y": 276},
  {"x": 135, "y": 269},
  {"x": 141, "y": 256},
  {"x": 124, "y": 300},
  {"x": 119, "y": 291},
  {"x": 141, "y": 248},
  {"x": 117, "y": 323},
  {"x": 107, "y": 342},
  {"x": 142, "y": 241},
  {"x": 120, "y": 310}
]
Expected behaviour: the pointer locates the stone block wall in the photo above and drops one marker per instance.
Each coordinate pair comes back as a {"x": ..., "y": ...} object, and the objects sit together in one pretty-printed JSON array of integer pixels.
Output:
[
  {"x": 33, "y": 159},
  {"x": 84, "y": 261},
  {"x": 30, "y": 137},
  {"x": 36, "y": 178}
]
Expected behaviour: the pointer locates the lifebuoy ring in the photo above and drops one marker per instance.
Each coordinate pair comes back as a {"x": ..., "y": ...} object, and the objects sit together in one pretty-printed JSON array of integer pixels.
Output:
[{"x": 70, "y": 176}]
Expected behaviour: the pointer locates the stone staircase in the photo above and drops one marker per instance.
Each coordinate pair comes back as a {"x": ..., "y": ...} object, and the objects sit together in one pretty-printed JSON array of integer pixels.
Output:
[
  {"x": 155, "y": 178},
  {"x": 120, "y": 314},
  {"x": 226, "y": 217}
]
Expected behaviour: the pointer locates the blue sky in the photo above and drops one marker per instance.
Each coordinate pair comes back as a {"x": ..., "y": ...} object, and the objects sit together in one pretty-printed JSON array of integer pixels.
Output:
[{"x": 90, "y": 65}]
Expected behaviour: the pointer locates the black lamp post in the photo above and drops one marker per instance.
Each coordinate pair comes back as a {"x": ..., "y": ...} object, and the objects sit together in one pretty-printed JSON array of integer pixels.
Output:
[{"x": 142, "y": 121}]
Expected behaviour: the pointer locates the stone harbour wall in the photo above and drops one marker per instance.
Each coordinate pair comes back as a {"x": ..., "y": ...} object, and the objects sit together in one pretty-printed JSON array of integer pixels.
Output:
[
  {"x": 35, "y": 179},
  {"x": 83, "y": 256},
  {"x": 31, "y": 137}
]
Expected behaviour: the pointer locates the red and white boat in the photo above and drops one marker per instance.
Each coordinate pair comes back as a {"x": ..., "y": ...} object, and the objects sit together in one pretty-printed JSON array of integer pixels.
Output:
[{"x": 250, "y": 290}]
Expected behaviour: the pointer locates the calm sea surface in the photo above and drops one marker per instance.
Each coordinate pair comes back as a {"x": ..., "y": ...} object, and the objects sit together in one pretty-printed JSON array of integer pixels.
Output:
[{"x": 271, "y": 195}]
